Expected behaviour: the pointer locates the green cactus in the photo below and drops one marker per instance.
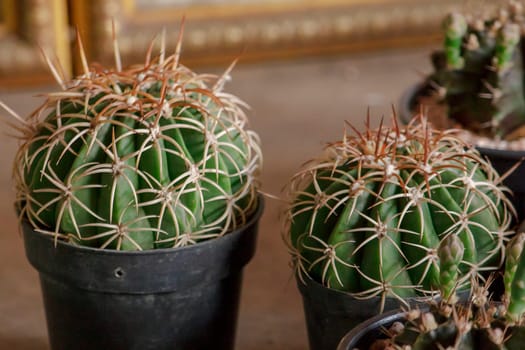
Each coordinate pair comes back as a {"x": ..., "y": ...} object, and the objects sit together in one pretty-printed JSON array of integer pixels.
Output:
[
  {"x": 479, "y": 75},
  {"x": 516, "y": 290},
  {"x": 478, "y": 323},
  {"x": 450, "y": 253},
  {"x": 369, "y": 216},
  {"x": 153, "y": 156},
  {"x": 512, "y": 256}
]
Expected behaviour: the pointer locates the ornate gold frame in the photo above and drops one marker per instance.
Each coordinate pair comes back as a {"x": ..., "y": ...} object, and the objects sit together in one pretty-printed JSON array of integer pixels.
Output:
[
  {"x": 262, "y": 29},
  {"x": 31, "y": 26}
]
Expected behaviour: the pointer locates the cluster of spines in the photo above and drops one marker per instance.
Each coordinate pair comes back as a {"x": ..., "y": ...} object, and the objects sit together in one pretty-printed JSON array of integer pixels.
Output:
[{"x": 369, "y": 215}]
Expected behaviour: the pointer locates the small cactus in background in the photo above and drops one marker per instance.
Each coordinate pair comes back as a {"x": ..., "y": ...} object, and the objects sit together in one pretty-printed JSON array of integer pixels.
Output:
[
  {"x": 153, "y": 156},
  {"x": 478, "y": 323},
  {"x": 479, "y": 73},
  {"x": 369, "y": 216}
]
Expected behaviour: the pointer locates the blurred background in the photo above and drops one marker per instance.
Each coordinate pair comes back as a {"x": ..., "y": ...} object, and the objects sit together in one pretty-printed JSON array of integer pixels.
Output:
[{"x": 306, "y": 68}]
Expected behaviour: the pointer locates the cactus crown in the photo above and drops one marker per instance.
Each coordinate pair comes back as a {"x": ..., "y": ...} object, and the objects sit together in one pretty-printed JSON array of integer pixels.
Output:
[
  {"x": 369, "y": 215},
  {"x": 477, "y": 323},
  {"x": 152, "y": 156},
  {"x": 478, "y": 75}
]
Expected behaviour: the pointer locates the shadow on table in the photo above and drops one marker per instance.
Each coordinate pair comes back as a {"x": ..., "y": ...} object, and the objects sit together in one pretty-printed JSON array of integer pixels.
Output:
[{"x": 10, "y": 341}]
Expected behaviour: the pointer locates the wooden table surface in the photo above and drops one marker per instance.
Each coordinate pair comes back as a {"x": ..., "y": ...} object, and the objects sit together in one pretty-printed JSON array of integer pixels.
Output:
[{"x": 297, "y": 106}]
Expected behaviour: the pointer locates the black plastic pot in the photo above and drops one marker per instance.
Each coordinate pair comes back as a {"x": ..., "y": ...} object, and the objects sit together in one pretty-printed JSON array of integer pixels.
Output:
[
  {"x": 364, "y": 334},
  {"x": 185, "y": 298},
  {"x": 330, "y": 313},
  {"x": 501, "y": 160}
]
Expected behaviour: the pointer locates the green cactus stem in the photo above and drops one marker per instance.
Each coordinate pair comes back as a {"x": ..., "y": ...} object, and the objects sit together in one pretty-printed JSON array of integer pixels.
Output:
[
  {"x": 455, "y": 27},
  {"x": 479, "y": 75},
  {"x": 516, "y": 307},
  {"x": 506, "y": 44},
  {"x": 512, "y": 253},
  {"x": 153, "y": 156},
  {"x": 369, "y": 216},
  {"x": 450, "y": 253}
]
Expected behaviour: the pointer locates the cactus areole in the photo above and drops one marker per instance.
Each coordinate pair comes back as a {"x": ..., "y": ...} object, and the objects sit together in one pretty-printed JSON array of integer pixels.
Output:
[
  {"x": 369, "y": 216},
  {"x": 154, "y": 156}
]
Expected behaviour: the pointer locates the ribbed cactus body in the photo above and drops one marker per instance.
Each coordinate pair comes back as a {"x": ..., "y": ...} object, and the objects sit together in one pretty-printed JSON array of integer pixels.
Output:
[
  {"x": 479, "y": 72},
  {"x": 150, "y": 157},
  {"x": 369, "y": 215}
]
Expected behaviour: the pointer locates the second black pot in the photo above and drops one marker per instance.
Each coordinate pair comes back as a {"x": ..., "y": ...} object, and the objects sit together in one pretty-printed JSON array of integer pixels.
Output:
[{"x": 184, "y": 298}]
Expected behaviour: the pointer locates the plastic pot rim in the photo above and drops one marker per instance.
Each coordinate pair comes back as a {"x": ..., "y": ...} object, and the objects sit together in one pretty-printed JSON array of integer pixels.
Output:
[{"x": 143, "y": 272}]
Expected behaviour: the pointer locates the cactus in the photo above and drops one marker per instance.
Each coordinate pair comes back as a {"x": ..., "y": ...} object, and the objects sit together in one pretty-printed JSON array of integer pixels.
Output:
[
  {"x": 478, "y": 323},
  {"x": 478, "y": 75},
  {"x": 152, "y": 156},
  {"x": 369, "y": 215},
  {"x": 512, "y": 254},
  {"x": 450, "y": 253}
]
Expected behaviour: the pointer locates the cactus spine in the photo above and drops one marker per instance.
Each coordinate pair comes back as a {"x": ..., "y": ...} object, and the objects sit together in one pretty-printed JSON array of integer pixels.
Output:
[
  {"x": 369, "y": 216},
  {"x": 478, "y": 74},
  {"x": 153, "y": 156}
]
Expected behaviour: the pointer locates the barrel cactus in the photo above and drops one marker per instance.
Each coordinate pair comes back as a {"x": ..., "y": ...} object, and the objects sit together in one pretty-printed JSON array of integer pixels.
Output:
[
  {"x": 151, "y": 156},
  {"x": 478, "y": 75},
  {"x": 478, "y": 323},
  {"x": 368, "y": 216}
]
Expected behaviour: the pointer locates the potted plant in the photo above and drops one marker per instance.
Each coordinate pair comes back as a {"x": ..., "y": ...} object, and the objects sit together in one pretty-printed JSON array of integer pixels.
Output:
[
  {"x": 478, "y": 323},
  {"x": 366, "y": 218},
  {"x": 137, "y": 191},
  {"x": 477, "y": 84}
]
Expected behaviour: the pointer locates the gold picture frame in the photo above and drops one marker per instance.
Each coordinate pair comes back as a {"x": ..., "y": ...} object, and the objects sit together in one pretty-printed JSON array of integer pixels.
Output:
[
  {"x": 219, "y": 31},
  {"x": 28, "y": 27}
]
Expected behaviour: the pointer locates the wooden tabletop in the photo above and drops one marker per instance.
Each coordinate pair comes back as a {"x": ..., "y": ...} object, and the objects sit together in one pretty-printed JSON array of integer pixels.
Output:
[{"x": 297, "y": 107}]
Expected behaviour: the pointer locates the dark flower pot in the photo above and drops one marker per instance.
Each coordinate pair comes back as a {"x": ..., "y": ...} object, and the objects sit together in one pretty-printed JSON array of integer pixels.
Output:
[
  {"x": 330, "y": 313},
  {"x": 183, "y": 298},
  {"x": 501, "y": 160},
  {"x": 364, "y": 334}
]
